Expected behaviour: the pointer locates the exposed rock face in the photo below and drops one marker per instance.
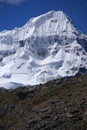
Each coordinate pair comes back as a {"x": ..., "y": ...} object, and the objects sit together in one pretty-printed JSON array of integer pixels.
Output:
[{"x": 59, "y": 104}]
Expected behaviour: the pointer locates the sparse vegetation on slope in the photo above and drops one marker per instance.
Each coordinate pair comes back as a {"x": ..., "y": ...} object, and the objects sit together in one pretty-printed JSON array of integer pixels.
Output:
[{"x": 56, "y": 105}]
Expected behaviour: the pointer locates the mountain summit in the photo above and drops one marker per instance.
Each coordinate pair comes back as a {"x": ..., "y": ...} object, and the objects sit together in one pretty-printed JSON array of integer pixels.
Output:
[
  {"x": 51, "y": 23},
  {"x": 47, "y": 47}
]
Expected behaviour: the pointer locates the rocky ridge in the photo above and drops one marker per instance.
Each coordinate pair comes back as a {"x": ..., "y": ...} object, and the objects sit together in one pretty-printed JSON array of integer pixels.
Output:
[{"x": 56, "y": 105}]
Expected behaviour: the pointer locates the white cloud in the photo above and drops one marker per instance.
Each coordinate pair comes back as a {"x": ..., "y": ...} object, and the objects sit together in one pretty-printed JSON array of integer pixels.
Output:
[{"x": 13, "y": 1}]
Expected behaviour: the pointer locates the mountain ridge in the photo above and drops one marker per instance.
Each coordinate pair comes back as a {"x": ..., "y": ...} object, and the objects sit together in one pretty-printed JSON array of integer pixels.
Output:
[{"x": 47, "y": 47}]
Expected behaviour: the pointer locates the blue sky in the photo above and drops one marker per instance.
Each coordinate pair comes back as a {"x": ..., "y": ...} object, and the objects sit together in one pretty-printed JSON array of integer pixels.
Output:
[{"x": 15, "y": 13}]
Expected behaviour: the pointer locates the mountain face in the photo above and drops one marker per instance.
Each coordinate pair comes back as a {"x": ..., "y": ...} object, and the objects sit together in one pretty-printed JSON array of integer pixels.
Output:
[{"x": 47, "y": 47}]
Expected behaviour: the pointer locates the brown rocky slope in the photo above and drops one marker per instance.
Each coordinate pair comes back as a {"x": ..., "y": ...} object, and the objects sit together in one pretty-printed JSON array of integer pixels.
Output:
[{"x": 56, "y": 105}]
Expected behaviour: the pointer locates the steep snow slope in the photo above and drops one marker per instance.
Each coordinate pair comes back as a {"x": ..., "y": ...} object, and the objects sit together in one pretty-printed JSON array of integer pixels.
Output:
[{"x": 47, "y": 47}]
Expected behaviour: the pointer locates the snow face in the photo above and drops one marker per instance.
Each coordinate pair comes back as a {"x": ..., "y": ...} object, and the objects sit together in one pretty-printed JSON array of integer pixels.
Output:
[{"x": 45, "y": 48}]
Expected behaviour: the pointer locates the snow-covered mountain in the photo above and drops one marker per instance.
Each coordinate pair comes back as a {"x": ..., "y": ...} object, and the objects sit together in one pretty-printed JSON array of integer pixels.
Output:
[{"x": 45, "y": 48}]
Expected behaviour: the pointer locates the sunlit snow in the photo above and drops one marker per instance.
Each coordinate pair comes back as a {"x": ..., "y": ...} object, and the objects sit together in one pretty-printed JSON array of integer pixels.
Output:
[{"x": 45, "y": 48}]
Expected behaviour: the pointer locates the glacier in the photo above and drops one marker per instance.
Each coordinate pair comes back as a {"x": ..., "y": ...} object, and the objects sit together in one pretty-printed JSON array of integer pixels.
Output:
[{"x": 47, "y": 47}]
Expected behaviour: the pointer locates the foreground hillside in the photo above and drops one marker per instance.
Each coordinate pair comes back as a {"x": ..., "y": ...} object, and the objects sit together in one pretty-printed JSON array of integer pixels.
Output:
[{"x": 56, "y": 105}]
